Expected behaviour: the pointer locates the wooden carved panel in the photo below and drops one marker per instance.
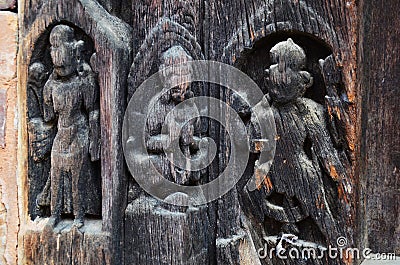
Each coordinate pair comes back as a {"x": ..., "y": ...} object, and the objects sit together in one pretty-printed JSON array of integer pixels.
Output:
[
  {"x": 242, "y": 33},
  {"x": 185, "y": 240},
  {"x": 88, "y": 60},
  {"x": 74, "y": 94},
  {"x": 251, "y": 37},
  {"x": 302, "y": 200},
  {"x": 64, "y": 129}
]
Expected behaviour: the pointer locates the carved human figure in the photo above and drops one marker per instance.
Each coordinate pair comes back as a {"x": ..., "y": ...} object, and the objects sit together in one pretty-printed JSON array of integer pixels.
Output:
[
  {"x": 71, "y": 100},
  {"x": 41, "y": 136},
  {"x": 37, "y": 76},
  {"x": 305, "y": 157},
  {"x": 172, "y": 68}
]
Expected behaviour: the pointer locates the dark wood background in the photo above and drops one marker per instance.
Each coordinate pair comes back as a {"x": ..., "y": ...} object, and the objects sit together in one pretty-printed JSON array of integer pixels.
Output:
[{"x": 362, "y": 35}]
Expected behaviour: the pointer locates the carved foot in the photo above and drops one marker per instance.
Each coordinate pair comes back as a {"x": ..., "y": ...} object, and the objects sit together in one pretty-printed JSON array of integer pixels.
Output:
[
  {"x": 53, "y": 221},
  {"x": 78, "y": 222}
]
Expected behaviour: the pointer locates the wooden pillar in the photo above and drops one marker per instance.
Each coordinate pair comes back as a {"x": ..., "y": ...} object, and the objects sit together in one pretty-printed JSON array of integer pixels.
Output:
[{"x": 378, "y": 73}]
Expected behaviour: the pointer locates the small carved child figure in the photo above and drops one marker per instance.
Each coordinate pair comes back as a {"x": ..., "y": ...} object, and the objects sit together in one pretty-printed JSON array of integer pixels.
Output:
[
  {"x": 41, "y": 137},
  {"x": 305, "y": 157},
  {"x": 36, "y": 80},
  {"x": 71, "y": 100}
]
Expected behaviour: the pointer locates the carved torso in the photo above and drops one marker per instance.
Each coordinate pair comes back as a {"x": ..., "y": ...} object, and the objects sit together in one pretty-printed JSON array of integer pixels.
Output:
[
  {"x": 158, "y": 116},
  {"x": 296, "y": 124},
  {"x": 68, "y": 101}
]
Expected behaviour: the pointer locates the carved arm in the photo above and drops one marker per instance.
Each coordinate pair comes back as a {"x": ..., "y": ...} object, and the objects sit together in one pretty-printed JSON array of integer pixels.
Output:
[
  {"x": 156, "y": 143},
  {"x": 94, "y": 128},
  {"x": 48, "y": 108},
  {"x": 91, "y": 91}
]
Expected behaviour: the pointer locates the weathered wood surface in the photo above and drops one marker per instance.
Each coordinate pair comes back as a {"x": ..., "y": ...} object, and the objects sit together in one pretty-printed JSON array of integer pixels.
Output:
[
  {"x": 67, "y": 244},
  {"x": 331, "y": 118},
  {"x": 184, "y": 238},
  {"x": 188, "y": 233},
  {"x": 110, "y": 37},
  {"x": 379, "y": 82},
  {"x": 8, "y": 4},
  {"x": 228, "y": 35},
  {"x": 245, "y": 38}
]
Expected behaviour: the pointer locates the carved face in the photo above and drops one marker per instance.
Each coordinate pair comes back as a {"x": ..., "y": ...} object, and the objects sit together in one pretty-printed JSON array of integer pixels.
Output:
[
  {"x": 63, "y": 50},
  {"x": 174, "y": 70},
  {"x": 287, "y": 81},
  {"x": 37, "y": 73}
]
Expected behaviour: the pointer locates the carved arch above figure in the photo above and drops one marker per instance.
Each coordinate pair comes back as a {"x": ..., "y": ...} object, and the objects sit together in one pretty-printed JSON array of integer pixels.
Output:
[
  {"x": 270, "y": 18},
  {"x": 166, "y": 34},
  {"x": 111, "y": 38}
]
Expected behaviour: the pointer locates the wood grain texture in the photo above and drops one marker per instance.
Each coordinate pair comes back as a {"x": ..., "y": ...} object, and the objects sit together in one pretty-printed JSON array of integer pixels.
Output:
[
  {"x": 111, "y": 38},
  {"x": 68, "y": 245},
  {"x": 378, "y": 60},
  {"x": 244, "y": 39},
  {"x": 354, "y": 108}
]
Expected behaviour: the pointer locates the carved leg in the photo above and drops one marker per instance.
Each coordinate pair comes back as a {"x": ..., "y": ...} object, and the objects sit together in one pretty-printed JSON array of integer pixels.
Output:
[
  {"x": 79, "y": 184},
  {"x": 57, "y": 189},
  {"x": 322, "y": 214},
  {"x": 43, "y": 197}
]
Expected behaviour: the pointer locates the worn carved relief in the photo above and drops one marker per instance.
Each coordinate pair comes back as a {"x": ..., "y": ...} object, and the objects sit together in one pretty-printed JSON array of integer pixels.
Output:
[
  {"x": 74, "y": 63},
  {"x": 168, "y": 49},
  {"x": 299, "y": 200},
  {"x": 64, "y": 126},
  {"x": 190, "y": 135},
  {"x": 41, "y": 136}
]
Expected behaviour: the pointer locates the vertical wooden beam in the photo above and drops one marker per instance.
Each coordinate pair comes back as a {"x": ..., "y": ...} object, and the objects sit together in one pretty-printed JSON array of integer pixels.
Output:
[
  {"x": 9, "y": 216},
  {"x": 379, "y": 82}
]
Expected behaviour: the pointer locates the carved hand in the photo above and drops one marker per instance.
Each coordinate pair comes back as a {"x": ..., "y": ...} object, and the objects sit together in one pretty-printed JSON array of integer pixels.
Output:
[
  {"x": 94, "y": 151},
  {"x": 187, "y": 137},
  {"x": 94, "y": 145},
  {"x": 156, "y": 143}
]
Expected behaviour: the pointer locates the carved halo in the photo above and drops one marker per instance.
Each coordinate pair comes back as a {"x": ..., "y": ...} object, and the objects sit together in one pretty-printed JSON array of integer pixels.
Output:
[{"x": 163, "y": 36}]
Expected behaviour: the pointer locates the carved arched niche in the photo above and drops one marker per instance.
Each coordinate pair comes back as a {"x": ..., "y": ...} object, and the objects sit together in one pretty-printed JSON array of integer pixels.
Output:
[
  {"x": 104, "y": 76},
  {"x": 304, "y": 193},
  {"x": 254, "y": 61},
  {"x": 64, "y": 169}
]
